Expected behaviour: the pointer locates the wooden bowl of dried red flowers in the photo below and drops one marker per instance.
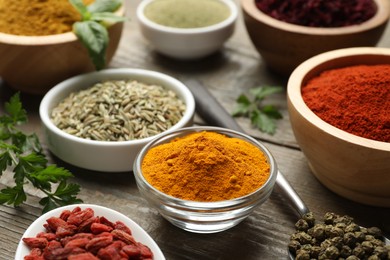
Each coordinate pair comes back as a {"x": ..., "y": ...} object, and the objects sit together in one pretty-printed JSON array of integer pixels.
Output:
[
  {"x": 286, "y": 34},
  {"x": 339, "y": 104}
]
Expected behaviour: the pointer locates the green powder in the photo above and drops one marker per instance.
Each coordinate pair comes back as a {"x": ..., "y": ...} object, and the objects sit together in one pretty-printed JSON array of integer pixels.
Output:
[{"x": 187, "y": 13}]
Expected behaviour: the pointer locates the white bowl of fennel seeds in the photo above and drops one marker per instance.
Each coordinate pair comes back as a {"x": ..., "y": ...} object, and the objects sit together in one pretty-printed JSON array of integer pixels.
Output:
[{"x": 100, "y": 120}]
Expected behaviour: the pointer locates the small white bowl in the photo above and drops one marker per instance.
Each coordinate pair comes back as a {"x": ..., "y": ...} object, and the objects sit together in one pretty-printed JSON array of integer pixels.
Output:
[
  {"x": 204, "y": 217},
  {"x": 139, "y": 234},
  {"x": 105, "y": 156},
  {"x": 183, "y": 43}
]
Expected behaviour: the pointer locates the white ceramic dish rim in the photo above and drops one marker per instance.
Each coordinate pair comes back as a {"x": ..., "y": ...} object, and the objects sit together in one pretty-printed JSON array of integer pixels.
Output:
[
  {"x": 44, "y": 108},
  {"x": 44, "y": 39},
  {"x": 140, "y": 235},
  {"x": 380, "y": 17},
  {"x": 295, "y": 97},
  {"x": 208, "y": 205},
  {"x": 228, "y": 21}
]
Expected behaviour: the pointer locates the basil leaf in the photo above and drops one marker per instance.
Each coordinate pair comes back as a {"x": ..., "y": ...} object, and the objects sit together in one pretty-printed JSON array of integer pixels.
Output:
[
  {"x": 81, "y": 7},
  {"x": 100, "y": 6},
  {"x": 107, "y": 17},
  {"x": 94, "y": 37}
]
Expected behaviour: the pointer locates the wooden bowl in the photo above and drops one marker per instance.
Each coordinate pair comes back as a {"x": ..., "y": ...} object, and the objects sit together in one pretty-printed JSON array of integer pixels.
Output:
[
  {"x": 34, "y": 64},
  {"x": 352, "y": 166},
  {"x": 283, "y": 46}
]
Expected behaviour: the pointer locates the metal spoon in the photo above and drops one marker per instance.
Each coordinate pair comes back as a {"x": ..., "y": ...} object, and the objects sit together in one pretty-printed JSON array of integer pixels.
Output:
[{"x": 212, "y": 112}]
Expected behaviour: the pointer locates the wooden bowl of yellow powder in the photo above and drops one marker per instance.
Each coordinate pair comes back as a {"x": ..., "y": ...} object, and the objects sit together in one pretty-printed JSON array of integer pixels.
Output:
[
  {"x": 37, "y": 46},
  {"x": 205, "y": 179}
]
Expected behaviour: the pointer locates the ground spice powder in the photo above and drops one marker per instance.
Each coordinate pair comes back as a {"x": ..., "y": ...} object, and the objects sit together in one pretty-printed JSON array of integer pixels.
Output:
[
  {"x": 37, "y": 17},
  {"x": 355, "y": 99},
  {"x": 206, "y": 166}
]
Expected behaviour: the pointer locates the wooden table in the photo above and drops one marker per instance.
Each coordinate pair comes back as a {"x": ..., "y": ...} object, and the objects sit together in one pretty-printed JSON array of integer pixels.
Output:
[{"x": 263, "y": 235}]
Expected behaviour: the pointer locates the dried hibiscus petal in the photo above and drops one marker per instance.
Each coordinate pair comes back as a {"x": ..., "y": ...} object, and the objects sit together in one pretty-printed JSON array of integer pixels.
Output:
[{"x": 319, "y": 13}]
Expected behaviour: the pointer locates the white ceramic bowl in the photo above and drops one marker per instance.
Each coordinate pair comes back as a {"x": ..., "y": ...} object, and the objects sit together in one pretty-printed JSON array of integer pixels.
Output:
[
  {"x": 189, "y": 43},
  {"x": 204, "y": 217},
  {"x": 105, "y": 156},
  {"x": 354, "y": 167},
  {"x": 139, "y": 234}
]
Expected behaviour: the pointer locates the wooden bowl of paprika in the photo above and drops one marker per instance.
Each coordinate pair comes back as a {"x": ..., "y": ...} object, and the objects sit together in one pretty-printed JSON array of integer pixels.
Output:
[
  {"x": 205, "y": 179},
  {"x": 38, "y": 47},
  {"x": 339, "y": 107},
  {"x": 286, "y": 34}
]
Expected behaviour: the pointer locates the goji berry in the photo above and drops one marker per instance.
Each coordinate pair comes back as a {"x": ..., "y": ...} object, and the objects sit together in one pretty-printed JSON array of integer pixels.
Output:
[
  {"x": 55, "y": 223},
  {"x": 111, "y": 252},
  {"x": 57, "y": 253},
  {"x": 34, "y": 242},
  {"x": 97, "y": 228},
  {"x": 121, "y": 226},
  {"x": 67, "y": 230},
  {"x": 85, "y": 226},
  {"x": 65, "y": 214},
  {"x": 132, "y": 251},
  {"x": 105, "y": 221},
  {"x": 78, "y": 242},
  {"x": 76, "y": 218},
  {"x": 84, "y": 256},
  {"x": 48, "y": 236},
  {"x": 145, "y": 251},
  {"x": 98, "y": 242},
  {"x": 121, "y": 235}
]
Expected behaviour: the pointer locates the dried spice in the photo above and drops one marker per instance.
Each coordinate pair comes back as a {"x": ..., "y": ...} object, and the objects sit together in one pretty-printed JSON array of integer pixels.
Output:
[
  {"x": 79, "y": 234},
  {"x": 319, "y": 13},
  {"x": 118, "y": 110},
  {"x": 206, "y": 166},
  {"x": 336, "y": 237},
  {"x": 355, "y": 99},
  {"x": 37, "y": 17},
  {"x": 187, "y": 13}
]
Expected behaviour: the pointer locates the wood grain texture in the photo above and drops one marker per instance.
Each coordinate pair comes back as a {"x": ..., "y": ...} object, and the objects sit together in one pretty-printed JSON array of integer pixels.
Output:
[{"x": 264, "y": 235}]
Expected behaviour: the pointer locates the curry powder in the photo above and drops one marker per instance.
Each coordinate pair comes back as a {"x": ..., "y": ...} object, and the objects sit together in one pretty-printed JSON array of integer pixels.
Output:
[
  {"x": 206, "y": 166},
  {"x": 37, "y": 17}
]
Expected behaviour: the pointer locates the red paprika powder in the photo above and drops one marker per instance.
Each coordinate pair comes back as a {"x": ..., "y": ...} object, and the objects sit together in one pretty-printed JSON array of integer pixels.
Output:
[
  {"x": 355, "y": 99},
  {"x": 319, "y": 13}
]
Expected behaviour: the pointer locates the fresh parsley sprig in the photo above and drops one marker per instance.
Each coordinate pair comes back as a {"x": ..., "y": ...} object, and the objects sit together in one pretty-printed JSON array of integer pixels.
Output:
[
  {"x": 23, "y": 154},
  {"x": 92, "y": 29},
  {"x": 261, "y": 116}
]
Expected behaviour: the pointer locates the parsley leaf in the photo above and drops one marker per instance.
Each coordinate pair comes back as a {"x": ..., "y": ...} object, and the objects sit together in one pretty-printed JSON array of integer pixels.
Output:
[
  {"x": 23, "y": 154},
  {"x": 92, "y": 31},
  {"x": 262, "y": 116}
]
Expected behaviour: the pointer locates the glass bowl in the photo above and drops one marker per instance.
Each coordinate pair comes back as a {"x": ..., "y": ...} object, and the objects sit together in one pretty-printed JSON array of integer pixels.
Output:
[{"x": 203, "y": 217}]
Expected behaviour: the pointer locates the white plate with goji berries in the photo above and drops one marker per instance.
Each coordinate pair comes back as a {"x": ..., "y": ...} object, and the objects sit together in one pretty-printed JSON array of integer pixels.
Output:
[{"x": 87, "y": 232}]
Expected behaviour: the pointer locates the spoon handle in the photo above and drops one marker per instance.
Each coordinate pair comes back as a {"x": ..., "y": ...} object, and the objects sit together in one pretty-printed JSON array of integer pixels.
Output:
[
  {"x": 289, "y": 193},
  {"x": 212, "y": 112}
]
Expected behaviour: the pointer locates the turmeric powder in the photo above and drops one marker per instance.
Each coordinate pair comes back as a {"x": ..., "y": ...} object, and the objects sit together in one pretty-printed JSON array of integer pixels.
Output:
[
  {"x": 206, "y": 166},
  {"x": 37, "y": 17}
]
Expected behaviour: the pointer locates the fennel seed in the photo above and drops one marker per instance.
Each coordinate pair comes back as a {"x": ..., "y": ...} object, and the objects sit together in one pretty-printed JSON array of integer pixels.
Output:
[{"x": 118, "y": 110}]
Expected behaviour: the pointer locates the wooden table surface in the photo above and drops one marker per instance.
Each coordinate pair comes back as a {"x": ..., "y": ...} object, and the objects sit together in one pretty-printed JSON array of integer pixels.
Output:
[{"x": 265, "y": 234}]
